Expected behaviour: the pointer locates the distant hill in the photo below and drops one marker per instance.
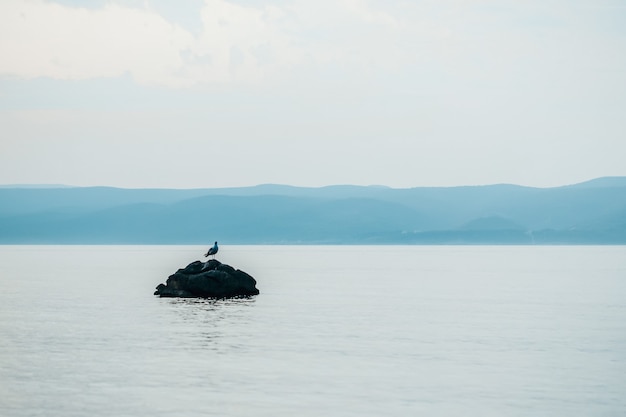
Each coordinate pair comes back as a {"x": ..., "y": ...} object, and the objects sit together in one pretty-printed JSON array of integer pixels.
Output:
[
  {"x": 602, "y": 182},
  {"x": 593, "y": 212},
  {"x": 492, "y": 223}
]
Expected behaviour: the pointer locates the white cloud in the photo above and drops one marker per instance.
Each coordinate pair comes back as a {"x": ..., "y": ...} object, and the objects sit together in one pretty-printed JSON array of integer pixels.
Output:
[
  {"x": 459, "y": 39},
  {"x": 40, "y": 39},
  {"x": 461, "y": 53},
  {"x": 237, "y": 43}
]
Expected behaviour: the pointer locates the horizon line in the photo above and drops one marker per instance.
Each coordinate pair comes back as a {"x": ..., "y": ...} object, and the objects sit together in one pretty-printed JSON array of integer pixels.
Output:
[{"x": 381, "y": 186}]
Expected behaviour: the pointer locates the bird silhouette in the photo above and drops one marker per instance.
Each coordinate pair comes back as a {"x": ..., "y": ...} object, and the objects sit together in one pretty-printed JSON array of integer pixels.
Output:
[{"x": 212, "y": 251}]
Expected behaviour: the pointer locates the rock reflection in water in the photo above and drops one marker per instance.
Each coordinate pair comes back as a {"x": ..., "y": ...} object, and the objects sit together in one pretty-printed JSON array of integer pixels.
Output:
[{"x": 217, "y": 325}]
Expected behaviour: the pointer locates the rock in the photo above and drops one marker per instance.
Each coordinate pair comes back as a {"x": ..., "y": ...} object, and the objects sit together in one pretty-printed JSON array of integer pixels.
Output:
[{"x": 211, "y": 279}]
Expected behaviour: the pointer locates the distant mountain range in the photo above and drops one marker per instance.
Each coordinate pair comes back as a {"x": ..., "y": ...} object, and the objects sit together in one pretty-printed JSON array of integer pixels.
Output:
[{"x": 592, "y": 212}]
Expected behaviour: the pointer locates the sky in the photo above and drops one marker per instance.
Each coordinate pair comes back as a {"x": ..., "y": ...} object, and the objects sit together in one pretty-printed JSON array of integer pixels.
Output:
[{"x": 228, "y": 93}]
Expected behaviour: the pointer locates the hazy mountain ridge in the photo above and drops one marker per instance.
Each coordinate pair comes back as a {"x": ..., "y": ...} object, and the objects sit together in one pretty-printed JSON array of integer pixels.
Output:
[{"x": 589, "y": 213}]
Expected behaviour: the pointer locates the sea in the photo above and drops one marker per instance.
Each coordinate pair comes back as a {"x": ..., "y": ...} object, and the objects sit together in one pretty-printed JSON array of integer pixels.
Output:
[{"x": 335, "y": 331}]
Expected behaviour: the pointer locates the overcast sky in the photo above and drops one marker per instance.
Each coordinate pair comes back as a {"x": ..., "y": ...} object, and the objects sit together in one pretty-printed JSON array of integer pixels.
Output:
[{"x": 218, "y": 93}]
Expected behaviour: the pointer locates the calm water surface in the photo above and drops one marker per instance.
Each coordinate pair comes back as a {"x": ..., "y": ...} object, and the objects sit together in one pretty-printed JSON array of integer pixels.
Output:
[{"x": 336, "y": 331}]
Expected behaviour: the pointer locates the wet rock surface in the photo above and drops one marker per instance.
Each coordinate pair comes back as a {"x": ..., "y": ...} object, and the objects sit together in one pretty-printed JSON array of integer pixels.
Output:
[{"x": 211, "y": 279}]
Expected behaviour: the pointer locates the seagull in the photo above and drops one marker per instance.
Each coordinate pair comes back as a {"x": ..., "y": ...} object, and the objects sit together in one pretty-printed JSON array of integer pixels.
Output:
[{"x": 212, "y": 251}]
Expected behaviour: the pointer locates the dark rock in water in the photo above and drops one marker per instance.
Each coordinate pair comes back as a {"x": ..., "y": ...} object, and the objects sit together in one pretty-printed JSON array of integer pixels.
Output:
[{"x": 211, "y": 279}]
